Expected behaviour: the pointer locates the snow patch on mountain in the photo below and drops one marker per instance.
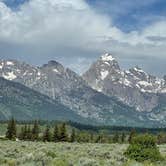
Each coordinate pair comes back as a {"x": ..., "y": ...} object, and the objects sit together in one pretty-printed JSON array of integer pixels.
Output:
[
  {"x": 145, "y": 83},
  {"x": 125, "y": 82},
  {"x": 9, "y": 63},
  {"x": 104, "y": 74},
  {"x": 1, "y": 65},
  {"x": 137, "y": 69},
  {"x": 107, "y": 57},
  {"x": 39, "y": 74},
  {"x": 55, "y": 70},
  {"x": 9, "y": 76}
]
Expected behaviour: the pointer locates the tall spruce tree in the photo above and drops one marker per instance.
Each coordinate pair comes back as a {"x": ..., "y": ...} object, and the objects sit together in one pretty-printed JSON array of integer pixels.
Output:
[
  {"x": 56, "y": 134},
  {"x": 47, "y": 135},
  {"x": 11, "y": 129},
  {"x": 132, "y": 135},
  {"x": 35, "y": 131},
  {"x": 29, "y": 133},
  {"x": 91, "y": 137},
  {"x": 116, "y": 138},
  {"x": 63, "y": 133},
  {"x": 73, "y": 136},
  {"x": 21, "y": 134},
  {"x": 25, "y": 132},
  {"x": 98, "y": 139},
  {"x": 123, "y": 136}
]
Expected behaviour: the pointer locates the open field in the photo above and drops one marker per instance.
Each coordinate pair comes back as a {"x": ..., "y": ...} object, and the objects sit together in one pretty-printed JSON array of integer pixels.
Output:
[{"x": 67, "y": 154}]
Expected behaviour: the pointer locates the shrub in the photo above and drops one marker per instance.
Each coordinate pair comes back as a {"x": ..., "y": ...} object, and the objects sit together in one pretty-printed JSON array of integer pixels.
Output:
[{"x": 142, "y": 148}]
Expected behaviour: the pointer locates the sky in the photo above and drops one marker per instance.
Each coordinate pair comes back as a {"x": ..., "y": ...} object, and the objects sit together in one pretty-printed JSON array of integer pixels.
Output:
[{"x": 77, "y": 32}]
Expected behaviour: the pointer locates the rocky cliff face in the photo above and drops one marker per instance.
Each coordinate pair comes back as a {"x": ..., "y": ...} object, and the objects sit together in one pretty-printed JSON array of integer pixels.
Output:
[
  {"x": 106, "y": 95},
  {"x": 23, "y": 103},
  {"x": 133, "y": 87},
  {"x": 66, "y": 87}
]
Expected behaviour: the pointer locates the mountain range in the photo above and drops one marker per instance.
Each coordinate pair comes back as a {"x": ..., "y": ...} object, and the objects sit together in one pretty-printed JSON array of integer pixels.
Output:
[
  {"x": 133, "y": 87},
  {"x": 26, "y": 104},
  {"x": 104, "y": 94}
]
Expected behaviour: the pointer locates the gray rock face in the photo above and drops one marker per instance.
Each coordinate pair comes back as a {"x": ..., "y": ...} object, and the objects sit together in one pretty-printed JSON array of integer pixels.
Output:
[
  {"x": 98, "y": 104},
  {"x": 133, "y": 87},
  {"x": 66, "y": 87},
  {"x": 23, "y": 103}
]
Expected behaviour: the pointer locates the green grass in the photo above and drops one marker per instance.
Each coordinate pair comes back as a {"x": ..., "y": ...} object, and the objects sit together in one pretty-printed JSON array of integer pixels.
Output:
[{"x": 66, "y": 154}]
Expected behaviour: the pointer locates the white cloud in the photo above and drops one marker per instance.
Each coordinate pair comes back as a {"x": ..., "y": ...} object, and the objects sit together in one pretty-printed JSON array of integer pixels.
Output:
[{"x": 50, "y": 26}]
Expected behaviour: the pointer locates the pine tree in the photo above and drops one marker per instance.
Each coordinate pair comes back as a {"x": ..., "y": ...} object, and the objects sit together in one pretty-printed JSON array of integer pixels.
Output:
[
  {"x": 143, "y": 148},
  {"x": 47, "y": 134},
  {"x": 35, "y": 131},
  {"x": 56, "y": 134},
  {"x": 11, "y": 129},
  {"x": 73, "y": 136},
  {"x": 98, "y": 139},
  {"x": 63, "y": 134},
  {"x": 91, "y": 137},
  {"x": 116, "y": 138},
  {"x": 21, "y": 134},
  {"x": 25, "y": 132},
  {"x": 123, "y": 137},
  {"x": 29, "y": 133},
  {"x": 132, "y": 135},
  {"x": 161, "y": 138}
]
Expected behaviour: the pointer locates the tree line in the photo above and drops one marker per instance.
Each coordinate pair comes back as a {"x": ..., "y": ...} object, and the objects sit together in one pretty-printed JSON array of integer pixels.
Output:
[{"x": 60, "y": 132}]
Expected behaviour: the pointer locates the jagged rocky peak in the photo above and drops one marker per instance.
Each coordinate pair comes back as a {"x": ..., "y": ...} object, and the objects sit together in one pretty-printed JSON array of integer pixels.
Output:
[
  {"x": 139, "y": 73},
  {"x": 13, "y": 69},
  {"x": 137, "y": 69},
  {"x": 107, "y": 57},
  {"x": 53, "y": 63},
  {"x": 4, "y": 63},
  {"x": 164, "y": 78},
  {"x": 54, "y": 66},
  {"x": 134, "y": 87},
  {"x": 108, "y": 60},
  {"x": 105, "y": 66}
]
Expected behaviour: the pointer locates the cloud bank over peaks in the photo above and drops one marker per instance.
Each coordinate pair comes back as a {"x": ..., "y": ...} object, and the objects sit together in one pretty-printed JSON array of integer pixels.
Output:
[{"x": 70, "y": 29}]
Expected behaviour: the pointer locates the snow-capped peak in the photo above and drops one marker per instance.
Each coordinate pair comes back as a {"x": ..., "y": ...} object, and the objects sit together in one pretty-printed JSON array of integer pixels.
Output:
[
  {"x": 138, "y": 69},
  {"x": 9, "y": 63},
  {"x": 107, "y": 57}
]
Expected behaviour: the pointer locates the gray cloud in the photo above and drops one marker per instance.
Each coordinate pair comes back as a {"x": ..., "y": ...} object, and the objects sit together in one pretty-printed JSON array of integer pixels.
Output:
[
  {"x": 157, "y": 38},
  {"x": 71, "y": 32}
]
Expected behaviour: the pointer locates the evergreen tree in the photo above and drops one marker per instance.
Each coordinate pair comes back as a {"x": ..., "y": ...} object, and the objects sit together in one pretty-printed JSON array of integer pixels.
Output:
[
  {"x": 11, "y": 129},
  {"x": 98, "y": 139},
  {"x": 116, "y": 138},
  {"x": 143, "y": 147},
  {"x": 21, "y": 134},
  {"x": 91, "y": 137},
  {"x": 132, "y": 135},
  {"x": 63, "y": 134},
  {"x": 25, "y": 132},
  {"x": 56, "y": 134},
  {"x": 73, "y": 136},
  {"x": 123, "y": 137},
  {"x": 161, "y": 138},
  {"x": 35, "y": 131},
  {"x": 29, "y": 133},
  {"x": 47, "y": 134}
]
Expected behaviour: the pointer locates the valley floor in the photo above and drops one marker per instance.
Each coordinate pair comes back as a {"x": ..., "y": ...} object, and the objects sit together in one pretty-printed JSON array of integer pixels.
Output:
[{"x": 66, "y": 154}]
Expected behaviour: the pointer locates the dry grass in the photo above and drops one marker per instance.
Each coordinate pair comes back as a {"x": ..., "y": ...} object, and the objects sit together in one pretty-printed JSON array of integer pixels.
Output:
[{"x": 66, "y": 154}]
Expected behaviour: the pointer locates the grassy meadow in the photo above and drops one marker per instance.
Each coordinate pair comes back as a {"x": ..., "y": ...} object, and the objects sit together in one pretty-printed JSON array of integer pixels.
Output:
[{"x": 26, "y": 153}]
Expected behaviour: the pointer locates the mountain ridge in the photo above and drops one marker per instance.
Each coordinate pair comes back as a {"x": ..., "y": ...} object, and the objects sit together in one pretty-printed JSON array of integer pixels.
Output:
[
  {"x": 133, "y": 86},
  {"x": 74, "y": 92},
  {"x": 23, "y": 103}
]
